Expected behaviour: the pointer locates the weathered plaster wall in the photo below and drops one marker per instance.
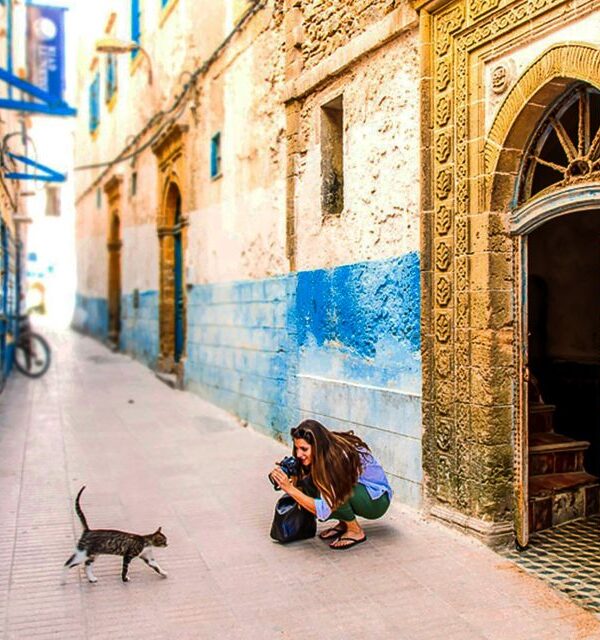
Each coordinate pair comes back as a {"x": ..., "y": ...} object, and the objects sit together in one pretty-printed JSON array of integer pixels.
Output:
[
  {"x": 239, "y": 229},
  {"x": 330, "y": 24},
  {"x": 381, "y": 162},
  {"x": 174, "y": 49}
]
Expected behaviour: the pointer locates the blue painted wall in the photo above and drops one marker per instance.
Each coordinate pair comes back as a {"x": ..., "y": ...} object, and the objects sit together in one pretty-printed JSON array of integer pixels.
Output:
[
  {"x": 365, "y": 320},
  {"x": 340, "y": 345},
  {"x": 241, "y": 348},
  {"x": 91, "y": 316},
  {"x": 359, "y": 363},
  {"x": 139, "y": 326}
]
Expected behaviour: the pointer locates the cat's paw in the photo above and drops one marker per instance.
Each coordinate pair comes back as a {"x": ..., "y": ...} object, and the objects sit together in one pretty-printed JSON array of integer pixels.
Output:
[
  {"x": 164, "y": 574},
  {"x": 92, "y": 580},
  {"x": 125, "y": 579}
]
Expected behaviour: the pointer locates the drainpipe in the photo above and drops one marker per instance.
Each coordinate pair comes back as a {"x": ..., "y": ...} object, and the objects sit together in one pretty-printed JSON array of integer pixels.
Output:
[{"x": 9, "y": 32}]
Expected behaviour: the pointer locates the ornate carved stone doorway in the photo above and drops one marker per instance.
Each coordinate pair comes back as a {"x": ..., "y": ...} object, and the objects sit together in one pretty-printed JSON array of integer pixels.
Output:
[{"x": 473, "y": 267}]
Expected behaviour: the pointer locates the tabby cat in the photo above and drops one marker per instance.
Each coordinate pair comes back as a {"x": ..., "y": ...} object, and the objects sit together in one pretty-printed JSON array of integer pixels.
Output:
[{"x": 94, "y": 542}]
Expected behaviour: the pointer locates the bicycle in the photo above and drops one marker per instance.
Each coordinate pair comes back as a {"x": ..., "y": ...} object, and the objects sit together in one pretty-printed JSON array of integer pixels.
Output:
[{"x": 32, "y": 352}]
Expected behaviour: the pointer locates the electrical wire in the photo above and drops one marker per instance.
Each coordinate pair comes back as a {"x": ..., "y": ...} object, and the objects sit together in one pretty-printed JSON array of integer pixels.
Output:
[{"x": 180, "y": 101}]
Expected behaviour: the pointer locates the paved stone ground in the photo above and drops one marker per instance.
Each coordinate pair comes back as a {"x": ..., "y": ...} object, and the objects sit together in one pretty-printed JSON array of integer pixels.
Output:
[{"x": 153, "y": 456}]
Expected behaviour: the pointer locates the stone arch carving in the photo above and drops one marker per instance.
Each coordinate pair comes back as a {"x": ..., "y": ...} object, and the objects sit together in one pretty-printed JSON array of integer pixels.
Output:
[
  {"x": 545, "y": 80},
  {"x": 171, "y": 187}
]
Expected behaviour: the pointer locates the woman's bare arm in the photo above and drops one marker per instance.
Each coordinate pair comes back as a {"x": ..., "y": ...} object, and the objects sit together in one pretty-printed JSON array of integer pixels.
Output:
[{"x": 287, "y": 485}]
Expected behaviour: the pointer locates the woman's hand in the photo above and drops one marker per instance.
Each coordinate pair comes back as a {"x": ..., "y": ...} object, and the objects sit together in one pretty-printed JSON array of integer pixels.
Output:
[
  {"x": 287, "y": 485},
  {"x": 282, "y": 480}
]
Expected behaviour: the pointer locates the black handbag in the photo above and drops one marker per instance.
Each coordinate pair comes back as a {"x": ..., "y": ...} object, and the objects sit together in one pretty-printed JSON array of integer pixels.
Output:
[{"x": 292, "y": 522}]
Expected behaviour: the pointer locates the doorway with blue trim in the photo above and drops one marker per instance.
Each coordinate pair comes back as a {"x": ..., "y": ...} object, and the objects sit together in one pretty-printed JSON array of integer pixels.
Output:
[{"x": 172, "y": 290}]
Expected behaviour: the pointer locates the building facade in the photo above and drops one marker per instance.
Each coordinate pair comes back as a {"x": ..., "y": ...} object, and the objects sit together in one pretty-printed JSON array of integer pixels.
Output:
[
  {"x": 365, "y": 213},
  {"x": 15, "y": 132}
]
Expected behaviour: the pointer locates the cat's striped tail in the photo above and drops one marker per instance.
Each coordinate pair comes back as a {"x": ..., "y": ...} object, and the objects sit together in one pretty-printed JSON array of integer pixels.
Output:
[{"x": 79, "y": 512}]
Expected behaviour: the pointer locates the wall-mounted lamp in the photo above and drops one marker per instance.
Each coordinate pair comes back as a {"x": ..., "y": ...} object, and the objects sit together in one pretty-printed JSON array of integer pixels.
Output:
[{"x": 116, "y": 46}]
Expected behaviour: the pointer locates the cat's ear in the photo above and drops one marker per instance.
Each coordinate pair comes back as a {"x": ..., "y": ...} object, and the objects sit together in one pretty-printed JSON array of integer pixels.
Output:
[{"x": 158, "y": 530}]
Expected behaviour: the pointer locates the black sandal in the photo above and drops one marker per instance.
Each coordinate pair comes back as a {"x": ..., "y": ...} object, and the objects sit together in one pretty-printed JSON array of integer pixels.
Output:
[
  {"x": 333, "y": 533},
  {"x": 352, "y": 542}
]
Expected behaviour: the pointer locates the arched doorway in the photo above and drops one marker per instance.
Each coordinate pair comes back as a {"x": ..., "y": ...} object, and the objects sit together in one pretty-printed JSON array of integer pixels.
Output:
[
  {"x": 113, "y": 245},
  {"x": 114, "y": 279},
  {"x": 172, "y": 291},
  {"x": 557, "y": 226}
]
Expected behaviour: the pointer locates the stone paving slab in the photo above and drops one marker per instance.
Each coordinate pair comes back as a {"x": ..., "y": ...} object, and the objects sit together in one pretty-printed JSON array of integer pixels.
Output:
[{"x": 153, "y": 456}]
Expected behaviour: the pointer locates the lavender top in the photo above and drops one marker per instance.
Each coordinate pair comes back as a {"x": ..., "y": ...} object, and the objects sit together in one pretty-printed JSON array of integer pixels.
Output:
[{"x": 372, "y": 477}]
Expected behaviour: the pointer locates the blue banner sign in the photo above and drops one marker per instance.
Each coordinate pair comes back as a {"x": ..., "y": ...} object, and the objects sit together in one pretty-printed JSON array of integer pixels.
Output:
[{"x": 46, "y": 49}]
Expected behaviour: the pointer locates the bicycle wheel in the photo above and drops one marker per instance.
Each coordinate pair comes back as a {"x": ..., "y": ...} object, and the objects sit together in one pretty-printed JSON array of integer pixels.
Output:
[{"x": 32, "y": 355}]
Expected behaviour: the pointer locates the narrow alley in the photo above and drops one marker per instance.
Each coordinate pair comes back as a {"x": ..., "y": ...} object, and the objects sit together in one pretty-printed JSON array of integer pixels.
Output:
[{"x": 151, "y": 456}]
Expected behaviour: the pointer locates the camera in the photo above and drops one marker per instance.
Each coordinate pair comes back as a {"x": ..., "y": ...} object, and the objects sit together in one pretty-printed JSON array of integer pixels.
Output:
[{"x": 290, "y": 466}]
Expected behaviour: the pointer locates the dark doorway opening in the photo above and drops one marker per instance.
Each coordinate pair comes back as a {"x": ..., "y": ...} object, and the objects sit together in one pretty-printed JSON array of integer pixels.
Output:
[{"x": 564, "y": 363}]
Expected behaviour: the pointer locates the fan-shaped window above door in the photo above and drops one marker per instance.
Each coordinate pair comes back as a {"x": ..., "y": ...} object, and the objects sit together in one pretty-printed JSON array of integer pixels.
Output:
[{"x": 565, "y": 148}]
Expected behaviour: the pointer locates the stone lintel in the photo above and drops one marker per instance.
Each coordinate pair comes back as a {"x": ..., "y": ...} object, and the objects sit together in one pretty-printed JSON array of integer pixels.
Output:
[
  {"x": 432, "y": 6},
  {"x": 112, "y": 186},
  {"x": 171, "y": 135}
]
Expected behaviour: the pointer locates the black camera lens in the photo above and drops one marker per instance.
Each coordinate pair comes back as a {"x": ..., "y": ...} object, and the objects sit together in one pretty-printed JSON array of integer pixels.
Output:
[{"x": 290, "y": 466}]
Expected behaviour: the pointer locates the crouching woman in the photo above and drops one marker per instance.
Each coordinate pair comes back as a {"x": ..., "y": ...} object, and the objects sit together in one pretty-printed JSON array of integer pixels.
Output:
[{"x": 349, "y": 481}]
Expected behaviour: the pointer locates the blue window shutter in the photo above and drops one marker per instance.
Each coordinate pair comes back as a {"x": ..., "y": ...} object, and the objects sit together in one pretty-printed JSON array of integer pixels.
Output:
[
  {"x": 111, "y": 76},
  {"x": 95, "y": 103},
  {"x": 215, "y": 155},
  {"x": 136, "y": 29}
]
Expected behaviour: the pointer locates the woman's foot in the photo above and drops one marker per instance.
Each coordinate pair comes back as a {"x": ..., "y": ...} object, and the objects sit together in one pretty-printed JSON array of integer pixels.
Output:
[
  {"x": 333, "y": 532},
  {"x": 351, "y": 537}
]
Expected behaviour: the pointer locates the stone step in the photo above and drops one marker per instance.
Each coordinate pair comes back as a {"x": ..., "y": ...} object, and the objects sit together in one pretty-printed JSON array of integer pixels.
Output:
[
  {"x": 551, "y": 483},
  {"x": 541, "y": 417},
  {"x": 558, "y": 498},
  {"x": 551, "y": 453},
  {"x": 170, "y": 379},
  {"x": 551, "y": 441}
]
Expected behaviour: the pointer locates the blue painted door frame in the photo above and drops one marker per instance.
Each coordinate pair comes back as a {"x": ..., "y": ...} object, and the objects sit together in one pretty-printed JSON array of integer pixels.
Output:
[
  {"x": 3, "y": 300},
  {"x": 179, "y": 291},
  {"x": 10, "y": 293}
]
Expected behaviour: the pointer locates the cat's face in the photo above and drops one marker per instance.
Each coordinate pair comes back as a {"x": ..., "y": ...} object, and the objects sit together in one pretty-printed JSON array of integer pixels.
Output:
[{"x": 159, "y": 539}]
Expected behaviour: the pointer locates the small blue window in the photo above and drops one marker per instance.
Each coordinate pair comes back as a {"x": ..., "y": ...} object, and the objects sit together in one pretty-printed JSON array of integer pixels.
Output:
[
  {"x": 111, "y": 77},
  {"x": 32, "y": 256},
  {"x": 136, "y": 24},
  {"x": 215, "y": 155},
  {"x": 95, "y": 103}
]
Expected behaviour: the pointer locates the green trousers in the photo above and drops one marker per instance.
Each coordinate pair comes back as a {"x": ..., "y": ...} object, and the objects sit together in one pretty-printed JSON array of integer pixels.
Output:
[{"x": 361, "y": 504}]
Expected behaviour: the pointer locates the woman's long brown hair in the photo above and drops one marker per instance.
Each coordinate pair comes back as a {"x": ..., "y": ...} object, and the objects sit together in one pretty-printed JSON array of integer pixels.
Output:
[{"x": 336, "y": 463}]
